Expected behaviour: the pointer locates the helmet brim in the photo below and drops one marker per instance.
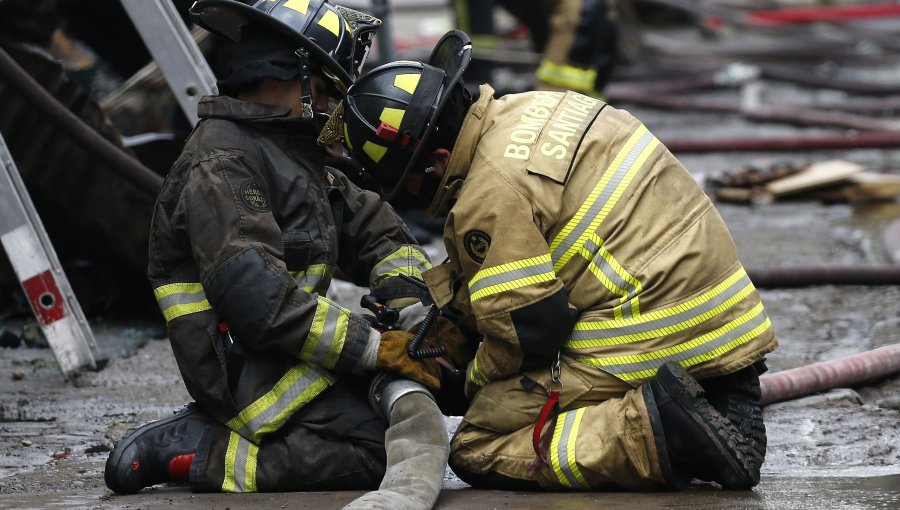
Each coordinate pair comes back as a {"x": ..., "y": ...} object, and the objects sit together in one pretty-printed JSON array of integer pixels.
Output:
[
  {"x": 452, "y": 54},
  {"x": 227, "y": 18}
]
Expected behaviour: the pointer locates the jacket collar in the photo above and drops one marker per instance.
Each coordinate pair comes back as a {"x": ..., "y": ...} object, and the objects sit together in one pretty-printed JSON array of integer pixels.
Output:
[
  {"x": 463, "y": 153},
  {"x": 258, "y": 114}
]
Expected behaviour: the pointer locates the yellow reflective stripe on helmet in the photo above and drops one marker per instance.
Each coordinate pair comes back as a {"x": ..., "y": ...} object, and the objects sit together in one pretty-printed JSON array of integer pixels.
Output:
[
  {"x": 613, "y": 276},
  {"x": 178, "y": 299},
  {"x": 316, "y": 278},
  {"x": 374, "y": 151},
  {"x": 513, "y": 275},
  {"x": 671, "y": 320},
  {"x": 331, "y": 22},
  {"x": 392, "y": 116},
  {"x": 347, "y": 137},
  {"x": 296, "y": 388},
  {"x": 327, "y": 335},
  {"x": 240, "y": 465},
  {"x": 301, "y": 6},
  {"x": 562, "y": 449},
  {"x": 570, "y": 77},
  {"x": 735, "y": 333},
  {"x": 476, "y": 375},
  {"x": 407, "y": 82},
  {"x": 407, "y": 260},
  {"x": 603, "y": 197}
]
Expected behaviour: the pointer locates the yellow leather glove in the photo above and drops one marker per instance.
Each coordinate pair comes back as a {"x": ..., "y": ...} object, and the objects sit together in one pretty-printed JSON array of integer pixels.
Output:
[
  {"x": 393, "y": 358},
  {"x": 459, "y": 352}
]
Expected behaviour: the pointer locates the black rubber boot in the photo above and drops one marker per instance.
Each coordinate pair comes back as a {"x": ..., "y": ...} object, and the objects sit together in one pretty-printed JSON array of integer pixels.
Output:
[
  {"x": 737, "y": 397},
  {"x": 141, "y": 458},
  {"x": 700, "y": 441}
]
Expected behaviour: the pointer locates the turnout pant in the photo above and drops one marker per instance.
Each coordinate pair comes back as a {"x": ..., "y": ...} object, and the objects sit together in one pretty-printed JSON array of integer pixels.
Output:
[
  {"x": 581, "y": 47},
  {"x": 602, "y": 438},
  {"x": 334, "y": 442}
]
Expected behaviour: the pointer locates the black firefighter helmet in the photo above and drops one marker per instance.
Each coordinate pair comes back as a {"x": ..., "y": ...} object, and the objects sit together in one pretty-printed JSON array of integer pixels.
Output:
[
  {"x": 391, "y": 112},
  {"x": 332, "y": 36}
]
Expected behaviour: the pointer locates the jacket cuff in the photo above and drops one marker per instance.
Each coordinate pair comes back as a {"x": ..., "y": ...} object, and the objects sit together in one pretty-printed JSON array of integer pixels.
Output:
[
  {"x": 370, "y": 355},
  {"x": 360, "y": 347}
]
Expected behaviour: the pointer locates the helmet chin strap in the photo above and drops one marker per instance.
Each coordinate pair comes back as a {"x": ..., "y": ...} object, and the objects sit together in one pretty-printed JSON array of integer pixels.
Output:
[{"x": 306, "y": 108}]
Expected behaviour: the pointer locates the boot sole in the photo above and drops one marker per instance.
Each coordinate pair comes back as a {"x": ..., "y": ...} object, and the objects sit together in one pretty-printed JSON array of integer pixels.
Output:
[
  {"x": 686, "y": 391},
  {"x": 129, "y": 438}
]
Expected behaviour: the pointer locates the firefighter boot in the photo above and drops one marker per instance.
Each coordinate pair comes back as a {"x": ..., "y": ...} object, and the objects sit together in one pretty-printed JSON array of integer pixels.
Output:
[
  {"x": 700, "y": 442},
  {"x": 737, "y": 397},
  {"x": 160, "y": 451}
]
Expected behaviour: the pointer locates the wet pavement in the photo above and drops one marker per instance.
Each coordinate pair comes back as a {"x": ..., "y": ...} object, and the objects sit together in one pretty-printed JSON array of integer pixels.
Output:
[{"x": 774, "y": 493}]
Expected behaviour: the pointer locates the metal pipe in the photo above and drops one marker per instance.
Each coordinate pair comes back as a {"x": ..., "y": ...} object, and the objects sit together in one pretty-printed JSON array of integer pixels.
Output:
[
  {"x": 788, "y": 114},
  {"x": 868, "y": 139},
  {"x": 824, "y": 275},
  {"x": 382, "y": 10},
  {"x": 69, "y": 123},
  {"x": 843, "y": 372}
]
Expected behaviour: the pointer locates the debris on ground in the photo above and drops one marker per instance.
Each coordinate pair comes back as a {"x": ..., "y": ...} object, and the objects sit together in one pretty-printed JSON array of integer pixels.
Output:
[
  {"x": 833, "y": 181},
  {"x": 9, "y": 339}
]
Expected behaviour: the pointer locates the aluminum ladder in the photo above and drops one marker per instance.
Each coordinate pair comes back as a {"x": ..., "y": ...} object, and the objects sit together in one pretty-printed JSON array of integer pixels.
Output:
[{"x": 39, "y": 272}]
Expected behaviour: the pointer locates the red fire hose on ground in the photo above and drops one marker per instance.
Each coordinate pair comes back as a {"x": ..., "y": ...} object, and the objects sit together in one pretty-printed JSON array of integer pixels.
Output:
[
  {"x": 834, "y": 13},
  {"x": 843, "y": 372}
]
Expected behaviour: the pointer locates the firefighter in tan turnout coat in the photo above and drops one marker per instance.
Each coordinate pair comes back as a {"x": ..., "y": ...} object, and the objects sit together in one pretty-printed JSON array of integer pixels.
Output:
[{"x": 603, "y": 283}]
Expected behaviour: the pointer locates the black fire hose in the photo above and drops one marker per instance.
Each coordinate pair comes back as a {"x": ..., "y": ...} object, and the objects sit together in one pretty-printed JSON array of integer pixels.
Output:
[
  {"x": 32, "y": 91},
  {"x": 825, "y": 275}
]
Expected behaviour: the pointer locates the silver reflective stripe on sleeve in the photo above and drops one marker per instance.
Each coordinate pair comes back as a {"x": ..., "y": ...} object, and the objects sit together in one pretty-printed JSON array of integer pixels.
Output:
[
  {"x": 407, "y": 260},
  {"x": 181, "y": 298},
  {"x": 510, "y": 276},
  {"x": 316, "y": 278}
]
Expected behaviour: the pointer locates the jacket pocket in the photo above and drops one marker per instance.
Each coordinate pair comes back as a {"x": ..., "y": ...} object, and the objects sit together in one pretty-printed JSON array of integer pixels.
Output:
[{"x": 297, "y": 250}]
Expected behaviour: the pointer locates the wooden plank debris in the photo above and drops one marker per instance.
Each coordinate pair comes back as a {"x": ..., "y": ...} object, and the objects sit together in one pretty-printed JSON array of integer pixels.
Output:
[{"x": 818, "y": 175}]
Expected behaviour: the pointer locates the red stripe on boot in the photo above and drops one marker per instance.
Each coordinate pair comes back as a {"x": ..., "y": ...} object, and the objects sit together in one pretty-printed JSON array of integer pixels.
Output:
[{"x": 180, "y": 467}]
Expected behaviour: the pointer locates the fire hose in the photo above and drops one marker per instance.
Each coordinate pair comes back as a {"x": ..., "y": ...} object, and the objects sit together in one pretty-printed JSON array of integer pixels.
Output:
[
  {"x": 859, "y": 140},
  {"x": 824, "y": 275},
  {"x": 843, "y": 372},
  {"x": 416, "y": 440},
  {"x": 416, "y": 443}
]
